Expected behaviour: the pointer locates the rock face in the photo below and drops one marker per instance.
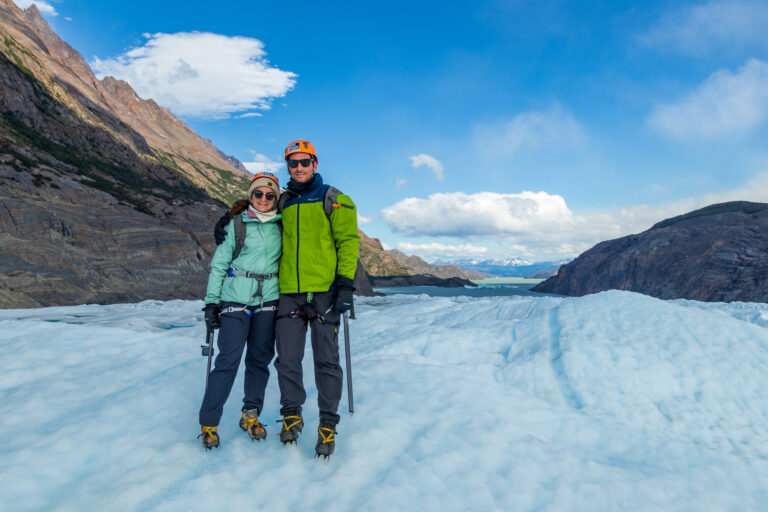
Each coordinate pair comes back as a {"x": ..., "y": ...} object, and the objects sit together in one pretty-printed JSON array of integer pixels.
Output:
[
  {"x": 148, "y": 130},
  {"x": 718, "y": 253},
  {"x": 381, "y": 262},
  {"x": 420, "y": 280}
]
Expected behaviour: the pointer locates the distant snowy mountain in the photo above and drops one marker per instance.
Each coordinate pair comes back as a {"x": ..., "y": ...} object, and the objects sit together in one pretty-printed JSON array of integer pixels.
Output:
[
  {"x": 613, "y": 401},
  {"x": 512, "y": 267}
]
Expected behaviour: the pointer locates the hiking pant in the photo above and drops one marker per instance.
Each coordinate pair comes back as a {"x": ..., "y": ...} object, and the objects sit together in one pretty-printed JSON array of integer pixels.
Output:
[
  {"x": 239, "y": 330},
  {"x": 291, "y": 339}
]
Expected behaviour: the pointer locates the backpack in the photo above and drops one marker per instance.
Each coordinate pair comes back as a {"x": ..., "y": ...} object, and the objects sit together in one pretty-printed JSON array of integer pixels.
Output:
[{"x": 329, "y": 203}]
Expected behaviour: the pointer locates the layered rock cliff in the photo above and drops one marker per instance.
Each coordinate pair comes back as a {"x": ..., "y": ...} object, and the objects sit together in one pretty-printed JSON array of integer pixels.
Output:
[{"x": 717, "y": 253}]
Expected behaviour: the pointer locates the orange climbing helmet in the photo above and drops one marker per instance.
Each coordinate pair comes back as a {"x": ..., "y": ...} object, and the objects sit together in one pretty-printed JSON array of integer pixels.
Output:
[{"x": 300, "y": 146}]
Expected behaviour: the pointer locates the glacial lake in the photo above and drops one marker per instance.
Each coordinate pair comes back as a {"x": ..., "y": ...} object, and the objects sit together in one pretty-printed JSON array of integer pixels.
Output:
[{"x": 491, "y": 287}]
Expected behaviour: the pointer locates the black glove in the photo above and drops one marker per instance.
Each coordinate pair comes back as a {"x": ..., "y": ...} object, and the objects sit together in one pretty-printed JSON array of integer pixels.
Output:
[
  {"x": 219, "y": 233},
  {"x": 212, "y": 312},
  {"x": 343, "y": 299},
  {"x": 344, "y": 288}
]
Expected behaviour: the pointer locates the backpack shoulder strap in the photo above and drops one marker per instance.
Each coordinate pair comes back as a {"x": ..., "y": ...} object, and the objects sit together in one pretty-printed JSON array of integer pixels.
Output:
[
  {"x": 281, "y": 201},
  {"x": 331, "y": 195},
  {"x": 240, "y": 229}
]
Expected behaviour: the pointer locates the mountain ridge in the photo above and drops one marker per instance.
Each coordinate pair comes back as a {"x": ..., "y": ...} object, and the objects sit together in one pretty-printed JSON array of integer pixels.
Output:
[{"x": 715, "y": 254}]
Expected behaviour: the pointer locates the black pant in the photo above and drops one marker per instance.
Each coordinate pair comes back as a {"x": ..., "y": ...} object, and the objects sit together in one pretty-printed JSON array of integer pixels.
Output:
[
  {"x": 291, "y": 339},
  {"x": 237, "y": 331}
]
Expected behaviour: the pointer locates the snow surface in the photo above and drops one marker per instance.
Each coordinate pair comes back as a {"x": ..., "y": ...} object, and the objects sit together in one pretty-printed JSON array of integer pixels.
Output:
[{"x": 614, "y": 401}]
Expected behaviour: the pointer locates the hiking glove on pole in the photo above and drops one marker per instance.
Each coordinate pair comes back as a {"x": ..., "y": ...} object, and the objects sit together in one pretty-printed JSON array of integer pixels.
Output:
[
  {"x": 212, "y": 312},
  {"x": 344, "y": 289}
]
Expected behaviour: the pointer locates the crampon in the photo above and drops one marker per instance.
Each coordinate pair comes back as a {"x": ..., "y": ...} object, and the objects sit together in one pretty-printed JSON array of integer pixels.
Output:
[
  {"x": 292, "y": 425},
  {"x": 209, "y": 437},
  {"x": 249, "y": 422}
]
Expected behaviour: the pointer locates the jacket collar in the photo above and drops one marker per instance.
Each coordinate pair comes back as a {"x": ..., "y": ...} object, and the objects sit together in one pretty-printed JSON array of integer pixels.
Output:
[{"x": 305, "y": 188}]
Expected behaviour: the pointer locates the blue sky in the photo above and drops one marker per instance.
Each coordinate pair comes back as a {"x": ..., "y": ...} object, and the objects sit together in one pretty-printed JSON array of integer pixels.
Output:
[{"x": 495, "y": 129}]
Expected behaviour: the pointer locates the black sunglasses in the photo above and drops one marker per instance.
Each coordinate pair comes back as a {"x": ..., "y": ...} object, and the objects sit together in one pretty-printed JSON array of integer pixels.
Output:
[
  {"x": 258, "y": 193},
  {"x": 305, "y": 162}
]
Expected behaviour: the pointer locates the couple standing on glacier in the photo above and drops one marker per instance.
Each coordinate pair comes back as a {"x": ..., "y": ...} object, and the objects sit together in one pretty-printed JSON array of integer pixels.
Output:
[{"x": 286, "y": 260}]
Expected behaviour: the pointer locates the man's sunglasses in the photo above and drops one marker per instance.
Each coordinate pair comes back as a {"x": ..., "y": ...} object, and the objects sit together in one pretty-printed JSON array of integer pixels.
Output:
[
  {"x": 305, "y": 162},
  {"x": 258, "y": 193}
]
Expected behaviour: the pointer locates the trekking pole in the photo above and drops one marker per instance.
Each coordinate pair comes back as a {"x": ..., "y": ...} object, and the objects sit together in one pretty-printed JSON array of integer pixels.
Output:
[
  {"x": 349, "y": 363},
  {"x": 208, "y": 351}
]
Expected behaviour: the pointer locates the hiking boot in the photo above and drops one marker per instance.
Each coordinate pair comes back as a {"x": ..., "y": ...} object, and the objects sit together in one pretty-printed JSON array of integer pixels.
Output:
[
  {"x": 292, "y": 425},
  {"x": 326, "y": 438},
  {"x": 250, "y": 423},
  {"x": 209, "y": 437}
]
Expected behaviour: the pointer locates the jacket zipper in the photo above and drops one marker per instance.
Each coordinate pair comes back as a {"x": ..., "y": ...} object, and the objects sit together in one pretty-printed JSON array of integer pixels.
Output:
[{"x": 298, "y": 238}]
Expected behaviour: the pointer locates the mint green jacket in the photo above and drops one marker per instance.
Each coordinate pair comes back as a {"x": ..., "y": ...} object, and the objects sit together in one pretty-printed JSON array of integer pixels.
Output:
[{"x": 260, "y": 254}]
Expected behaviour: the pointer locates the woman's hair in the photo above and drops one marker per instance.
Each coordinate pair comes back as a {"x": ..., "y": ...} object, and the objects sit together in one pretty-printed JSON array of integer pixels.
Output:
[{"x": 238, "y": 207}]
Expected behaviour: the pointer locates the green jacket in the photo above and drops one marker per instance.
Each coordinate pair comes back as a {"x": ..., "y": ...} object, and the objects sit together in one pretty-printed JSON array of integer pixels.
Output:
[
  {"x": 260, "y": 254},
  {"x": 316, "y": 248}
]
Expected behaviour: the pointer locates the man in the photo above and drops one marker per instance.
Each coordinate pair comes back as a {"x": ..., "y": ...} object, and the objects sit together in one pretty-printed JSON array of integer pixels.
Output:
[{"x": 317, "y": 270}]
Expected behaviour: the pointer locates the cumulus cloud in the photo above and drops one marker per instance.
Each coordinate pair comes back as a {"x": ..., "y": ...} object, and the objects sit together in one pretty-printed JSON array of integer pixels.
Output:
[
  {"x": 200, "y": 74},
  {"x": 727, "y": 103},
  {"x": 437, "y": 250},
  {"x": 461, "y": 214},
  {"x": 262, "y": 163},
  {"x": 553, "y": 129},
  {"x": 44, "y": 7},
  {"x": 362, "y": 220},
  {"x": 539, "y": 226},
  {"x": 430, "y": 162},
  {"x": 697, "y": 29}
]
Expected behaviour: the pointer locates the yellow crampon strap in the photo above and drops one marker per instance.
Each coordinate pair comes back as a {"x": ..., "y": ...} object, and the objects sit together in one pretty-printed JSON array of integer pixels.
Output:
[
  {"x": 211, "y": 431},
  {"x": 298, "y": 419},
  {"x": 326, "y": 438},
  {"x": 251, "y": 421}
]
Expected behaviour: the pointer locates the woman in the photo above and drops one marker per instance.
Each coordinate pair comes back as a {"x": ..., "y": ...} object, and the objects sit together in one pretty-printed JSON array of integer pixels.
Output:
[{"x": 241, "y": 301}]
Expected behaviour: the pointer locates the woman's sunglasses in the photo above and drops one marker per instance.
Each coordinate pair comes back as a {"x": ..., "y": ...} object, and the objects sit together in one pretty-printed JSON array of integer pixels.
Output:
[
  {"x": 258, "y": 194},
  {"x": 305, "y": 162}
]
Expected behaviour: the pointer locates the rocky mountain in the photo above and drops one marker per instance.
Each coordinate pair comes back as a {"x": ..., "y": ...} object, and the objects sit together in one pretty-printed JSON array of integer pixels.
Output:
[
  {"x": 150, "y": 131},
  {"x": 717, "y": 253},
  {"x": 101, "y": 193},
  {"x": 381, "y": 262}
]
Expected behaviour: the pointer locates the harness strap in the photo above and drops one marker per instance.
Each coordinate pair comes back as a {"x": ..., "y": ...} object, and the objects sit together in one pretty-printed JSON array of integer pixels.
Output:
[
  {"x": 247, "y": 311},
  {"x": 234, "y": 272}
]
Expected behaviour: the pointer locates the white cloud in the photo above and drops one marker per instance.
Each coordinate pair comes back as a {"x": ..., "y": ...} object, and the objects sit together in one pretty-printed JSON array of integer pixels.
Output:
[
  {"x": 399, "y": 182},
  {"x": 435, "y": 250},
  {"x": 200, "y": 74},
  {"x": 698, "y": 29},
  {"x": 553, "y": 129},
  {"x": 363, "y": 220},
  {"x": 44, "y": 7},
  {"x": 430, "y": 162},
  {"x": 460, "y": 214},
  {"x": 725, "y": 104},
  {"x": 262, "y": 163},
  {"x": 538, "y": 226}
]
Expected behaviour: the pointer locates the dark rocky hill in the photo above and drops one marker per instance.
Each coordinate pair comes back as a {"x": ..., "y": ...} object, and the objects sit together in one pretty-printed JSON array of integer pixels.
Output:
[
  {"x": 382, "y": 262},
  {"x": 718, "y": 253}
]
